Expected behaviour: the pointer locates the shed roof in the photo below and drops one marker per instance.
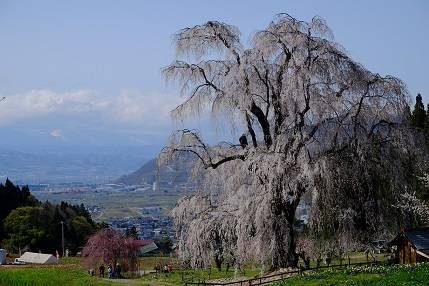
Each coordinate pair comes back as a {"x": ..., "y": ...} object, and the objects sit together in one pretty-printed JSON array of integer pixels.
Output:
[
  {"x": 419, "y": 237},
  {"x": 148, "y": 248},
  {"x": 144, "y": 242}
]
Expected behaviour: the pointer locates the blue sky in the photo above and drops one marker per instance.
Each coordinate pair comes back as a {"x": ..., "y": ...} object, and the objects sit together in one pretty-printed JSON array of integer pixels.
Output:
[{"x": 88, "y": 72}]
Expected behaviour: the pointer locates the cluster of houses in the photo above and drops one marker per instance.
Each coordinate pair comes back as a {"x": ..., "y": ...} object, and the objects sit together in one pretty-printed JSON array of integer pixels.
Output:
[{"x": 148, "y": 226}]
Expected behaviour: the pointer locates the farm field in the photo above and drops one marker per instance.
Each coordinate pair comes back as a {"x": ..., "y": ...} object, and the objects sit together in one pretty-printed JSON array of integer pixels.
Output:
[{"x": 117, "y": 203}]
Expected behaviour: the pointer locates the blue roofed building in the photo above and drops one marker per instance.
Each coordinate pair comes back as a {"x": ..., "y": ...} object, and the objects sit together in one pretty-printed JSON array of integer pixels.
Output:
[{"x": 412, "y": 246}]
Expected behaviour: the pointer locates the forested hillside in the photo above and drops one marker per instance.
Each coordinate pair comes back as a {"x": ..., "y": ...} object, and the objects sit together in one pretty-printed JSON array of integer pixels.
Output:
[{"x": 28, "y": 224}]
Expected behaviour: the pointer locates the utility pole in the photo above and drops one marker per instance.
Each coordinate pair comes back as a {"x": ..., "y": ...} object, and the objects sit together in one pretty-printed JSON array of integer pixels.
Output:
[{"x": 62, "y": 236}]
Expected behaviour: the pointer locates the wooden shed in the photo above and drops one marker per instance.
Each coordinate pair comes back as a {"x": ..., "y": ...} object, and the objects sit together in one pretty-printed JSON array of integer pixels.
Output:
[{"x": 412, "y": 245}]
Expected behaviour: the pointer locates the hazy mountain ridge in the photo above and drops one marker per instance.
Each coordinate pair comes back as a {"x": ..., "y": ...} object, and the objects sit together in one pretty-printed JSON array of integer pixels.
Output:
[
  {"x": 173, "y": 173},
  {"x": 70, "y": 164}
]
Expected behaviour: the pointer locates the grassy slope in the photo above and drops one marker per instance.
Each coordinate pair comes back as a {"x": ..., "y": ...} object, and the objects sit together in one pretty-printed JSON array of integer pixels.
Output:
[
  {"x": 54, "y": 276},
  {"x": 365, "y": 276},
  {"x": 177, "y": 277},
  {"x": 70, "y": 272}
]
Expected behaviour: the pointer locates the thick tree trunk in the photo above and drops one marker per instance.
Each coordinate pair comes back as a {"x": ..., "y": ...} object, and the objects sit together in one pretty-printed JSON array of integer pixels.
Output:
[
  {"x": 283, "y": 241},
  {"x": 218, "y": 262}
]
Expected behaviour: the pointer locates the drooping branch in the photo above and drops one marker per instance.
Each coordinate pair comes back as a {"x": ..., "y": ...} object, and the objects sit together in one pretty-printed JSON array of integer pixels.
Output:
[
  {"x": 213, "y": 35},
  {"x": 189, "y": 141}
]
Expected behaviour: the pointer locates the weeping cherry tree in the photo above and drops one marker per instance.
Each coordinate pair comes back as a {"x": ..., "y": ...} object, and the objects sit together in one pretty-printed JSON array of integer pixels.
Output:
[{"x": 299, "y": 99}]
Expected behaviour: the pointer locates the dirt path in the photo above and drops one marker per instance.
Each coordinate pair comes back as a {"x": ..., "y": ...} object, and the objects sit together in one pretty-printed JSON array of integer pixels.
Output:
[
  {"x": 238, "y": 281},
  {"x": 124, "y": 281},
  {"x": 138, "y": 282}
]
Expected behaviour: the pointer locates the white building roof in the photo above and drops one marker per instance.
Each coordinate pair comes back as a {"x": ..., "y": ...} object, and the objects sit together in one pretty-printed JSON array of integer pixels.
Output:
[{"x": 38, "y": 258}]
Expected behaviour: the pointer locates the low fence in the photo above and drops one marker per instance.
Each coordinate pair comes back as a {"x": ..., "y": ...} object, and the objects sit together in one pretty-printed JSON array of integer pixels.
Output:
[{"x": 275, "y": 277}]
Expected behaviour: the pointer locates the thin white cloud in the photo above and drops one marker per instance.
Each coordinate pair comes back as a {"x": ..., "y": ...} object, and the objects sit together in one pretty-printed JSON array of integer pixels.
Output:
[
  {"x": 129, "y": 107},
  {"x": 57, "y": 133}
]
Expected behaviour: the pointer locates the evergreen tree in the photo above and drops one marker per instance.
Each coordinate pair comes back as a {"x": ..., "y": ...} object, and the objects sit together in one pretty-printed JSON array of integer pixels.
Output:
[
  {"x": 418, "y": 117},
  {"x": 165, "y": 245},
  {"x": 102, "y": 224},
  {"x": 427, "y": 120},
  {"x": 132, "y": 232}
]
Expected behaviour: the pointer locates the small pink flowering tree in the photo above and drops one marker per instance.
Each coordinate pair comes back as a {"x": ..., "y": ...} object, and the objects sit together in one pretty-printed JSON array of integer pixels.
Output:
[{"x": 111, "y": 247}]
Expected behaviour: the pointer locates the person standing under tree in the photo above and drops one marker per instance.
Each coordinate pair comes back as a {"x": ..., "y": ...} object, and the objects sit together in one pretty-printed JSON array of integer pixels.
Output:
[
  {"x": 101, "y": 270},
  {"x": 118, "y": 270},
  {"x": 110, "y": 271}
]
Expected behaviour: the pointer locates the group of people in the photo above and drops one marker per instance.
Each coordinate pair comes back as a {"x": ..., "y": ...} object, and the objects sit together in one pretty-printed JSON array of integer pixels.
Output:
[
  {"x": 167, "y": 268},
  {"x": 112, "y": 271}
]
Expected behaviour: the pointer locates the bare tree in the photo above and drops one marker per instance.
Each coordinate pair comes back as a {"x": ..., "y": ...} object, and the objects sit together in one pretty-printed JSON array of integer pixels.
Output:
[{"x": 299, "y": 99}]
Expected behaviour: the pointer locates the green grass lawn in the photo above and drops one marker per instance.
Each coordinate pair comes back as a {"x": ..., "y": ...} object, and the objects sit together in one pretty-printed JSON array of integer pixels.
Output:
[
  {"x": 179, "y": 277},
  {"x": 47, "y": 275},
  {"x": 357, "y": 257},
  {"x": 71, "y": 272},
  {"x": 395, "y": 275}
]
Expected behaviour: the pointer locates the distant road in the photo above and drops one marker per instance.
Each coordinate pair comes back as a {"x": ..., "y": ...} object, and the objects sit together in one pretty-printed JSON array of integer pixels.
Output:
[{"x": 100, "y": 215}]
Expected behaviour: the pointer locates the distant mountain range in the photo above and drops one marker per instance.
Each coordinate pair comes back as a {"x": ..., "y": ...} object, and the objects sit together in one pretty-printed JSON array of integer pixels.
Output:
[
  {"x": 53, "y": 164},
  {"x": 172, "y": 174},
  {"x": 93, "y": 165}
]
